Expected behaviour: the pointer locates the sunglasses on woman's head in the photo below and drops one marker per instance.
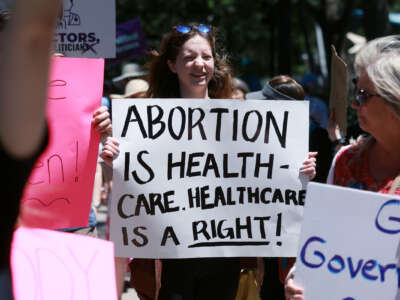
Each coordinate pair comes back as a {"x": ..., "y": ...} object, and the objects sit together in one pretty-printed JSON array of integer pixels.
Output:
[{"x": 186, "y": 28}]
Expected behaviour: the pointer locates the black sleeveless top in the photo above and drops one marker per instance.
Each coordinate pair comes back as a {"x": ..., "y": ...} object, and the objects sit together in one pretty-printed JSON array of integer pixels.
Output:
[{"x": 15, "y": 174}]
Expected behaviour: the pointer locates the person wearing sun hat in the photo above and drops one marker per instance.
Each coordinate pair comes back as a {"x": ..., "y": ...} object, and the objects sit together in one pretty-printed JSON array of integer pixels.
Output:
[
  {"x": 129, "y": 71},
  {"x": 132, "y": 89}
]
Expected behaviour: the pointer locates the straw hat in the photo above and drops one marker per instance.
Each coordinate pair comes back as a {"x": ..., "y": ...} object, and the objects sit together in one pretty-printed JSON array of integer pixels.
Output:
[
  {"x": 133, "y": 87},
  {"x": 129, "y": 70}
]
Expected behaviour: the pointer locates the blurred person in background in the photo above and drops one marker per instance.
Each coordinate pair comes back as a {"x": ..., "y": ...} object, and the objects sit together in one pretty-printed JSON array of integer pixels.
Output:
[
  {"x": 283, "y": 87},
  {"x": 319, "y": 112},
  {"x": 129, "y": 71},
  {"x": 239, "y": 89}
]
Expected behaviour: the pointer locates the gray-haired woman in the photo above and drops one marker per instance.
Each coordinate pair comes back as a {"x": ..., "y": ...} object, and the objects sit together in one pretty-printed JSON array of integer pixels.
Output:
[{"x": 374, "y": 163}]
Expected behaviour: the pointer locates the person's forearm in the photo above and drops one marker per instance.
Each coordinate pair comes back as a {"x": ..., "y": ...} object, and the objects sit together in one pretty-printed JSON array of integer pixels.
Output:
[
  {"x": 26, "y": 48},
  {"x": 42, "y": 13}
]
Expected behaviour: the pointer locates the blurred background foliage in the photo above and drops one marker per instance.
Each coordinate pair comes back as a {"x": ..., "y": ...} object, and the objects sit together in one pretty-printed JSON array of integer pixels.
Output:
[{"x": 267, "y": 37}]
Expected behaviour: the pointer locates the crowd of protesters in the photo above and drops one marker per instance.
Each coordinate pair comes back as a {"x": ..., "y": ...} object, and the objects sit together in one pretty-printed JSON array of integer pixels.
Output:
[{"x": 189, "y": 64}]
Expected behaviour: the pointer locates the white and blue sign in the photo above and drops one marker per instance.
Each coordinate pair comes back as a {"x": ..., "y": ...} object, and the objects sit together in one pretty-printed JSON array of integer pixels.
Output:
[{"x": 350, "y": 245}]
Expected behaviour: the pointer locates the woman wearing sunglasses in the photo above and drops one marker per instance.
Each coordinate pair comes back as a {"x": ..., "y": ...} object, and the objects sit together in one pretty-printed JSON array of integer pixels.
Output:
[
  {"x": 187, "y": 65},
  {"x": 374, "y": 163}
]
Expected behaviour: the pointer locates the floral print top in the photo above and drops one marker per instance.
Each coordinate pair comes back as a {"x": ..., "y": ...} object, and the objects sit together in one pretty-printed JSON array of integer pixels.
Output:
[{"x": 352, "y": 171}]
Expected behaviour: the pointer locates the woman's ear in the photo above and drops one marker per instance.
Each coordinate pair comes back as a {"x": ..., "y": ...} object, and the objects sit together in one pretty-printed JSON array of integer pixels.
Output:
[{"x": 171, "y": 66}]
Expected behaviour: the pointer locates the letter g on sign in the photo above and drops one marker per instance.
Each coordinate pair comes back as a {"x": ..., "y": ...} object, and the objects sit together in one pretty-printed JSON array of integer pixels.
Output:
[
  {"x": 316, "y": 253},
  {"x": 388, "y": 217}
]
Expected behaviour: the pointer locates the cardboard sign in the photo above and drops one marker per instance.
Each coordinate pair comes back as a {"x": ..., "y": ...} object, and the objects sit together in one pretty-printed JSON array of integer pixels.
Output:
[
  {"x": 86, "y": 29},
  {"x": 338, "y": 95},
  {"x": 48, "y": 265},
  {"x": 349, "y": 245},
  {"x": 59, "y": 190},
  {"x": 208, "y": 178}
]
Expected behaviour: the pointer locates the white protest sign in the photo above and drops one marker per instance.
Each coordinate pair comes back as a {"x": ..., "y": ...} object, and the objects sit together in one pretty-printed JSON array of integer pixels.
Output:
[
  {"x": 208, "y": 178},
  {"x": 349, "y": 245},
  {"x": 87, "y": 29}
]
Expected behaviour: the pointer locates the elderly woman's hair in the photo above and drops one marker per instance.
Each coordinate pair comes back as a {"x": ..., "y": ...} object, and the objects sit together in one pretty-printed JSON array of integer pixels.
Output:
[
  {"x": 288, "y": 86},
  {"x": 380, "y": 59},
  {"x": 163, "y": 83},
  {"x": 384, "y": 73},
  {"x": 374, "y": 49}
]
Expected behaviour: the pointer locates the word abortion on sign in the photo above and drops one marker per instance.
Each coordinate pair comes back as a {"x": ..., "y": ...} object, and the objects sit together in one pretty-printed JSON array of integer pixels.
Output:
[
  {"x": 208, "y": 178},
  {"x": 78, "y": 32},
  {"x": 48, "y": 264},
  {"x": 61, "y": 184},
  {"x": 349, "y": 245}
]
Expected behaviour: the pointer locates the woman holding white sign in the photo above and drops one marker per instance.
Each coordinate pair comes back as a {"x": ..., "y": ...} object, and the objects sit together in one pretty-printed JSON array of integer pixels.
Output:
[
  {"x": 374, "y": 163},
  {"x": 188, "y": 65}
]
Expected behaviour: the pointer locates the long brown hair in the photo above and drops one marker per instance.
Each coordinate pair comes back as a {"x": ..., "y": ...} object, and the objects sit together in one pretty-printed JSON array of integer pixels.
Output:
[{"x": 163, "y": 83}]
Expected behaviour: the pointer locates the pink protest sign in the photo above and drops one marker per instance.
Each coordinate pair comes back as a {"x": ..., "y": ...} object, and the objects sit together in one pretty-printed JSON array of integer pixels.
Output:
[
  {"x": 49, "y": 264},
  {"x": 59, "y": 191}
]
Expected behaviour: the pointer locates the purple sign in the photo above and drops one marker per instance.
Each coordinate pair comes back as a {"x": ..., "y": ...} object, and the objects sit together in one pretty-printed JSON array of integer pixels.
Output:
[{"x": 130, "y": 40}]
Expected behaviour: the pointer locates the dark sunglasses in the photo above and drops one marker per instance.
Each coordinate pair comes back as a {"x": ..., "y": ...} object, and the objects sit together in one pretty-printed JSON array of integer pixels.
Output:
[
  {"x": 186, "y": 28},
  {"x": 361, "y": 95}
]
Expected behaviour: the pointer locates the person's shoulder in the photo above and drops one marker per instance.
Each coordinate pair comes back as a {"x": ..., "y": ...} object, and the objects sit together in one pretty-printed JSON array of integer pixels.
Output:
[
  {"x": 346, "y": 153},
  {"x": 257, "y": 95},
  {"x": 340, "y": 167}
]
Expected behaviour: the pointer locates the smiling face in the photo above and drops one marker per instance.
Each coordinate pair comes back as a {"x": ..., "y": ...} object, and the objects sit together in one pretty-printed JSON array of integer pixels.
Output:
[{"x": 194, "y": 66}]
